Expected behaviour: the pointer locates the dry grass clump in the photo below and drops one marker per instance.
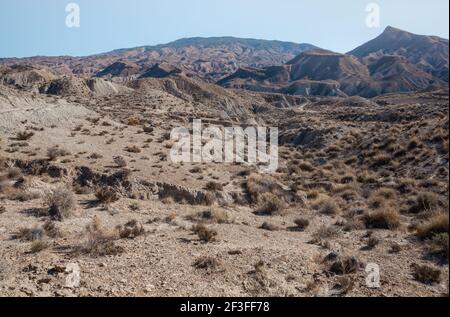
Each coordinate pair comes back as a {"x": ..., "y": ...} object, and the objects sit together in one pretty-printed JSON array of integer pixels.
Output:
[
  {"x": 213, "y": 186},
  {"x": 425, "y": 202},
  {"x": 301, "y": 223},
  {"x": 372, "y": 242},
  {"x": 270, "y": 205},
  {"x": 367, "y": 177},
  {"x": 24, "y": 135},
  {"x": 437, "y": 224},
  {"x": 207, "y": 263},
  {"x": 257, "y": 186},
  {"x": 212, "y": 215},
  {"x": 269, "y": 226},
  {"x": 54, "y": 152},
  {"x": 438, "y": 246},
  {"x": 344, "y": 285},
  {"x": 38, "y": 246},
  {"x": 414, "y": 143},
  {"x": 11, "y": 173},
  {"x": 325, "y": 232},
  {"x": 204, "y": 234},
  {"x": 99, "y": 241},
  {"x": 386, "y": 193},
  {"x": 340, "y": 265},
  {"x": 327, "y": 206},
  {"x": 133, "y": 121},
  {"x": 306, "y": 166},
  {"x": 29, "y": 234},
  {"x": 106, "y": 195},
  {"x": 133, "y": 149},
  {"x": 51, "y": 230},
  {"x": 387, "y": 218},
  {"x": 426, "y": 274},
  {"x": 131, "y": 230},
  {"x": 347, "y": 179},
  {"x": 382, "y": 159},
  {"x": 61, "y": 202},
  {"x": 120, "y": 161}
]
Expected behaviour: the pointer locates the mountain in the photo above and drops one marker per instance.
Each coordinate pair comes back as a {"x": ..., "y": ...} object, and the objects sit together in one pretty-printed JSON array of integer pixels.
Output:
[
  {"x": 396, "y": 61},
  {"x": 428, "y": 53},
  {"x": 316, "y": 71},
  {"x": 209, "y": 58}
]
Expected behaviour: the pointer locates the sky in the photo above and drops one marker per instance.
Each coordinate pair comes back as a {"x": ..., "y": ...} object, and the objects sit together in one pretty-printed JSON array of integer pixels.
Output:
[{"x": 38, "y": 27}]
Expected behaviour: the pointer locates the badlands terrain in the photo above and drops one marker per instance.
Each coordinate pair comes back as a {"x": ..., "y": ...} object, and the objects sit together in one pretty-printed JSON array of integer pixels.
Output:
[{"x": 86, "y": 180}]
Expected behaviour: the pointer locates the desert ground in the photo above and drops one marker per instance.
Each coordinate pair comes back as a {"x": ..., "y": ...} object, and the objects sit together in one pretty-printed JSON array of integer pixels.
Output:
[{"x": 86, "y": 180}]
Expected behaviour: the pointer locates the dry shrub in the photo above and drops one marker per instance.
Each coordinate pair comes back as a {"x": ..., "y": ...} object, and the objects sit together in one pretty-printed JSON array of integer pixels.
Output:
[
  {"x": 18, "y": 194},
  {"x": 207, "y": 263},
  {"x": 372, "y": 242},
  {"x": 367, "y": 177},
  {"x": 24, "y": 135},
  {"x": 347, "y": 179},
  {"x": 195, "y": 170},
  {"x": 437, "y": 224},
  {"x": 133, "y": 149},
  {"x": 306, "y": 166},
  {"x": 120, "y": 161},
  {"x": 426, "y": 274},
  {"x": 269, "y": 226},
  {"x": 54, "y": 152},
  {"x": 99, "y": 242},
  {"x": 51, "y": 230},
  {"x": 212, "y": 215},
  {"x": 438, "y": 246},
  {"x": 386, "y": 193},
  {"x": 12, "y": 173},
  {"x": 325, "y": 232},
  {"x": 344, "y": 285},
  {"x": 301, "y": 223},
  {"x": 131, "y": 230},
  {"x": 214, "y": 186},
  {"x": 327, "y": 206},
  {"x": 270, "y": 205},
  {"x": 425, "y": 202},
  {"x": 204, "y": 234},
  {"x": 343, "y": 265},
  {"x": 414, "y": 143},
  {"x": 382, "y": 159},
  {"x": 257, "y": 186},
  {"x": 38, "y": 246},
  {"x": 61, "y": 202},
  {"x": 106, "y": 195},
  {"x": 382, "y": 219},
  {"x": 133, "y": 121},
  {"x": 29, "y": 234}
]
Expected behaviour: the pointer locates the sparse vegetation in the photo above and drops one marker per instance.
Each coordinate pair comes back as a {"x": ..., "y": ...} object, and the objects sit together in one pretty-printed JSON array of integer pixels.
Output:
[
  {"x": 382, "y": 219},
  {"x": 204, "y": 234},
  {"x": 426, "y": 274},
  {"x": 106, "y": 195},
  {"x": 61, "y": 202},
  {"x": 301, "y": 223},
  {"x": 437, "y": 224},
  {"x": 24, "y": 135}
]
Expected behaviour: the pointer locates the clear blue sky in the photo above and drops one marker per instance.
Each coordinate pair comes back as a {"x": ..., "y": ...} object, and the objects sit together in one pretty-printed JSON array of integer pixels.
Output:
[{"x": 37, "y": 27}]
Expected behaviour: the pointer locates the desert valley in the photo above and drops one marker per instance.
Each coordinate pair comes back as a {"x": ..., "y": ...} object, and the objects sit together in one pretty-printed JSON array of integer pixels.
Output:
[{"x": 87, "y": 184}]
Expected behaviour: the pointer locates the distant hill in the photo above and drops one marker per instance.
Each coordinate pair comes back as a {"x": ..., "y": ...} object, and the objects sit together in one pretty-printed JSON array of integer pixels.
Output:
[
  {"x": 208, "y": 58},
  {"x": 429, "y": 53},
  {"x": 396, "y": 61}
]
